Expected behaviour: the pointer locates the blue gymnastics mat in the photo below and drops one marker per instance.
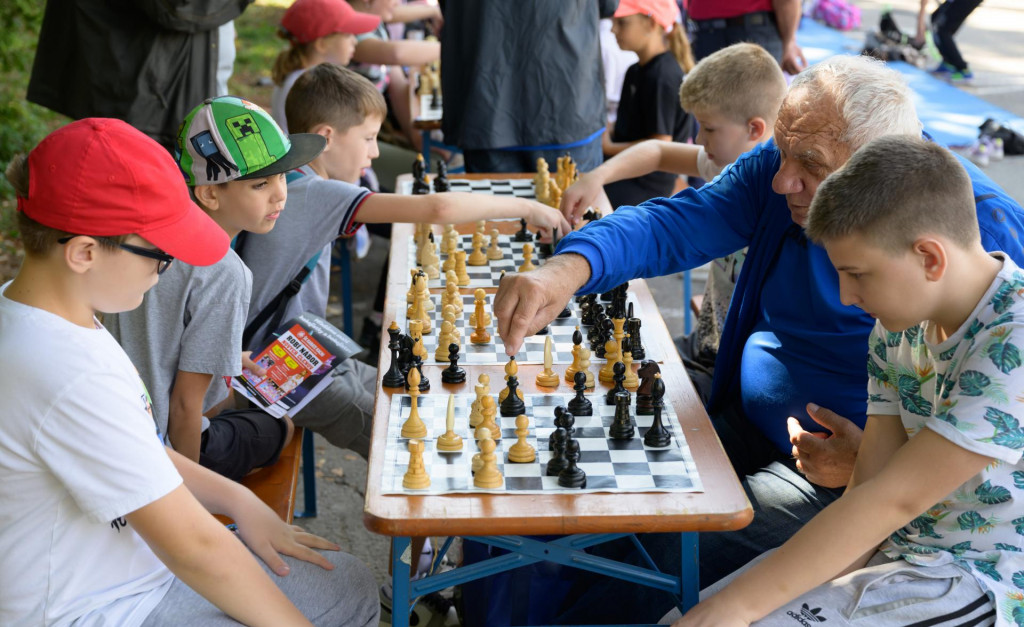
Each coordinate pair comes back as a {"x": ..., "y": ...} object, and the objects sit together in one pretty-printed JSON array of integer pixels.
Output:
[{"x": 950, "y": 115}]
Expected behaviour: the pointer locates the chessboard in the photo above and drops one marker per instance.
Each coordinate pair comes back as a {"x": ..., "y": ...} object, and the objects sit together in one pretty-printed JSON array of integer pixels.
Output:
[
  {"x": 611, "y": 465},
  {"x": 520, "y": 188},
  {"x": 482, "y": 276},
  {"x": 493, "y": 352}
]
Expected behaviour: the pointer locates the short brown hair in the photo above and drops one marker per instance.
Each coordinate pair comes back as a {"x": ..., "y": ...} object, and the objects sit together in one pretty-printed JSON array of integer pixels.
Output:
[
  {"x": 741, "y": 82},
  {"x": 36, "y": 238},
  {"x": 892, "y": 191},
  {"x": 329, "y": 94}
]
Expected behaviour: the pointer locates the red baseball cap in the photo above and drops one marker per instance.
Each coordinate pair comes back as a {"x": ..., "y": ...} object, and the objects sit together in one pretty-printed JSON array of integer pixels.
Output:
[
  {"x": 665, "y": 13},
  {"x": 102, "y": 177},
  {"x": 309, "y": 20}
]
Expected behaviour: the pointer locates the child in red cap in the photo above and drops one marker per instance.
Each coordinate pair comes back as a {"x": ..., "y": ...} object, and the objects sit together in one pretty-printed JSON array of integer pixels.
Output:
[
  {"x": 318, "y": 31},
  {"x": 97, "y": 519}
]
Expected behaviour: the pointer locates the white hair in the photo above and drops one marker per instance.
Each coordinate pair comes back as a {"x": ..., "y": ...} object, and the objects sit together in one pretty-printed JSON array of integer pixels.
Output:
[{"x": 873, "y": 99}]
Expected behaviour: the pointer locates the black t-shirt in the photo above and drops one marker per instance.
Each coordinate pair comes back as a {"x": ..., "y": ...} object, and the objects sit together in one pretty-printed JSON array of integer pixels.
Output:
[{"x": 649, "y": 105}]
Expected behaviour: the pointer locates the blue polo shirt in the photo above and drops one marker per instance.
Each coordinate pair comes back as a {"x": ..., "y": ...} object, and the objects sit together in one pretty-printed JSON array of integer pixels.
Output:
[{"x": 787, "y": 339}]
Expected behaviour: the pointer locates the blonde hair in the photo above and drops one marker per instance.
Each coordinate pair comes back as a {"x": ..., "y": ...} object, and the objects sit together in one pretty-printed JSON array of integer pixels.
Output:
[
  {"x": 287, "y": 61},
  {"x": 679, "y": 44},
  {"x": 329, "y": 94},
  {"x": 741, "y": 82},
  {"x": 893, "y": 190},
  {"x": 38, "y": 239}
]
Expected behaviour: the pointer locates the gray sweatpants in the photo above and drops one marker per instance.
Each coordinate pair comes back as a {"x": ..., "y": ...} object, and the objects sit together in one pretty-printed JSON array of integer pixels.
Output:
[
  {"x": 346, "y": 596},
  {"x": 343, "y": 412},
  {"x": 885, "y": 593}
]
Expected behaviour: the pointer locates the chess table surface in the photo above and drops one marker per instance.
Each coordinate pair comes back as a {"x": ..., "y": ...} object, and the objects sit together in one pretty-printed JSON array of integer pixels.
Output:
[{"x": 722, "y": 505}]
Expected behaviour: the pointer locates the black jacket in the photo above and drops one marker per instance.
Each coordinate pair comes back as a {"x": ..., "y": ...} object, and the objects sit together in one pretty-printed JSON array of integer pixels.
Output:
[
  {"x": 148, "y": 62},
  {"x": 522, "y": 72}
]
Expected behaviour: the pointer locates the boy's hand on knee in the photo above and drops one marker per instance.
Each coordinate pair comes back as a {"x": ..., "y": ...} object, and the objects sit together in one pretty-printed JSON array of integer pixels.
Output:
[
  {"x": 269, "y": 537},
  {"x": 825, "y": 459}
]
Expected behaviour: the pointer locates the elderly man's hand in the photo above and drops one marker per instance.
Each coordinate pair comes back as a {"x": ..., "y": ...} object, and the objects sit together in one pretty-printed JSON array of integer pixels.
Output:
[
  {"x": 527, "y": 301},
  {"x": 826, "y": 460}
]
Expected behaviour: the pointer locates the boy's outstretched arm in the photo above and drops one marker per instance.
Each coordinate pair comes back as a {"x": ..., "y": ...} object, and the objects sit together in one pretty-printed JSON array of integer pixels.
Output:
[
  {"x": 652, "y": 155},
  {"x": 262, "y": 530},
  {"x": 863, "y": 517},
  {"x": 203, "y": 554},
  {"x": 405, "y": 52},
  {"x": 185, "y": 412},
  {"x": 458, "y": 208}
]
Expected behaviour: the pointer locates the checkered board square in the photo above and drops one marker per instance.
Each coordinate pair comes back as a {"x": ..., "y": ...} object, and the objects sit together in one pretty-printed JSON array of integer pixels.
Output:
[
  {"x": 428, "y": 112},
  {"x": 519, "y": 188},
  {"x": 483, "y": 276},
  {"x": 611, "y": 465},
  {"x": 493, "y": 352}
]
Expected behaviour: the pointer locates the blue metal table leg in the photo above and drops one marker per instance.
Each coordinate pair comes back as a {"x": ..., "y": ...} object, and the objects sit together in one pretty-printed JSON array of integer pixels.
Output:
[
  {"x": 346, "y": 289},
  {"x": 426, "y": 148},
  {"x": 399, "y": 583},
  {"x": 689, "y": 574},
  {"x": 687, "y": 297}
]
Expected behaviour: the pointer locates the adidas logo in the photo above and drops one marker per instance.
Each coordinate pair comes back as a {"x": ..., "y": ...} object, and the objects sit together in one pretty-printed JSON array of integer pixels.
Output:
[{"x": 807, "y": 616}]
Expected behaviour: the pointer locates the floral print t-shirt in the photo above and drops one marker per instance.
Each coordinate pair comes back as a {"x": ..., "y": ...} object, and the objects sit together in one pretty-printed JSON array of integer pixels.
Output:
[{"x": 970, "y": 390}]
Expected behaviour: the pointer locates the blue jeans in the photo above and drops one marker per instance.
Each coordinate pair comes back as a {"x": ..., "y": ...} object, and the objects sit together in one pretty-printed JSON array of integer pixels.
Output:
[
  {"x": 782, "y": 499},
  {"x": 587, "y": 157}
]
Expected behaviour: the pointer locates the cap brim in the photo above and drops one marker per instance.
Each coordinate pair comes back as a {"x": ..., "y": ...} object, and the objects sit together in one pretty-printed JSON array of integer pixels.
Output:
[
  {"x": 305, "y": 148},
  {"x": 194, "y": 239},
  {"x": 362, "y": 23}
]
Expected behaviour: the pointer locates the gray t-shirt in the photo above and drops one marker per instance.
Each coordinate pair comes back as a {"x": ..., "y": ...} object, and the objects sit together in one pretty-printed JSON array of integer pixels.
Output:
[
  {"x": 317, "y": 211},
  {"x": 191, "y": 320}
]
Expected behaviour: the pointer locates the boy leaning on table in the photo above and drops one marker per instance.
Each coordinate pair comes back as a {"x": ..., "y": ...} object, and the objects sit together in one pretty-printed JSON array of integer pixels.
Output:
[
  {"x": 99, "y": 522},
  {"x": 929, "y": 530}
]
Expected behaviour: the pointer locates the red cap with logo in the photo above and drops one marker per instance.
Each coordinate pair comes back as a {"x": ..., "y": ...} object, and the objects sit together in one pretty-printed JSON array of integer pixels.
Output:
[
  {"x": 104, "y": 178},
  {"x": 309, "y": 20}
]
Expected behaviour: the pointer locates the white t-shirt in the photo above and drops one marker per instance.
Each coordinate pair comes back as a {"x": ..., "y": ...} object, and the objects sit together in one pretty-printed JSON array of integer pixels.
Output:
[{"x": 78, "y": 451}]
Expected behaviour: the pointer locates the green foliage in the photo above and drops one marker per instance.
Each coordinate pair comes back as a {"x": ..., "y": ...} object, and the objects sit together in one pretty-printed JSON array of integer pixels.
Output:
[{"x": 22, "y": 124}]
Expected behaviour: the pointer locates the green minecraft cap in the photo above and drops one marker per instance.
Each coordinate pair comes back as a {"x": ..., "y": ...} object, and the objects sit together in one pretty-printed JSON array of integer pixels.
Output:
[{"x": 228, "y": 138}]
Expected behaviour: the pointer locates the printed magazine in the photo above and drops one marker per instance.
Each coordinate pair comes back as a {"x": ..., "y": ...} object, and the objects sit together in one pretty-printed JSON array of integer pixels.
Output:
[{"x": 298, "y": 363}]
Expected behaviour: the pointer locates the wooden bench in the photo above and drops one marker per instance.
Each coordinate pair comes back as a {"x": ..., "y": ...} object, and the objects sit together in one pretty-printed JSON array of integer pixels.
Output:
[
  {"x": 695, "y": 304},
  {"x": 275, "y": 485}
]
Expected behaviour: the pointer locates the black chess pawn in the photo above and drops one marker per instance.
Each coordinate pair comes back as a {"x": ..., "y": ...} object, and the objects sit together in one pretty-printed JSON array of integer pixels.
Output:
[
  {"x": 572, "y": 476},
  {"x": 644, "y": 399},
  {"x": 522, "y": 235},
  {"x": 658, "y": 436},
  {"x": 622, "y": 426},
  {"x": 453, "y": 373},
  {"x": 618, "y": 376},
  {"x": 633, "y": 328},
  {"x": 566, "y": 312},
  {"x": 560, "y": 415},
  {"x": 441, "y": 180},
  {"x": 558, "y": 462},
  {"x": 580, "y": 405},
  {"x": 544, "y": 331},
  {"x": 393, "y": 377},
  {"x": 512, "y": 405},
  {"x": 419, "y": 177}
]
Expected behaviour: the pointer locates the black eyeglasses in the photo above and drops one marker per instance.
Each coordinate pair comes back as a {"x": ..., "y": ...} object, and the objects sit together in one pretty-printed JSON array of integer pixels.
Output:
[{"x": 163, "y": 259}]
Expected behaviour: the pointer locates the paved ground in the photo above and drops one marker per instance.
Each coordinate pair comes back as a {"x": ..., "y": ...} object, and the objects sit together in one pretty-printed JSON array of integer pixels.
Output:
[{"x": 992, "y": 43}]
